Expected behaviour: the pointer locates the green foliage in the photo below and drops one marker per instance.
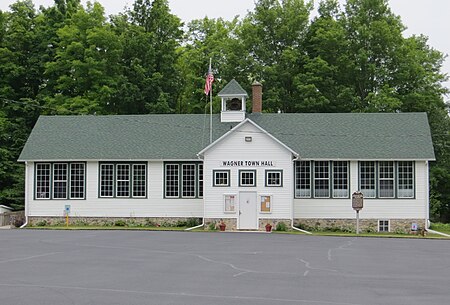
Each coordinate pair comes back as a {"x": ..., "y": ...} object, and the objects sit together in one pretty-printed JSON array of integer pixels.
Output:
[
  {"x": 120, "y": 223},
  {"x": 193, "y": 222},
  {"x": 212, "y": 226},
  {"x": 281, "y": 226}
]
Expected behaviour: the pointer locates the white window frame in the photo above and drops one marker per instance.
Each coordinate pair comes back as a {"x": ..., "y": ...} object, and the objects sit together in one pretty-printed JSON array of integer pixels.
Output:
[
  {"x": 200, "y": 186},
  {"x": 225, "y": 172},
  {"x": 317, "y": 179},
  {"x": 381, "y": 164},
  {"x": 280, "y": 178},
  {"x": 303, "y": 190},
  {"x": 185, "y": 174},
  {"x": 402, "y": 191},
  {"x": 241, "y": 178},
  {"x": 64, "y": 181},
  {"x": 370, "y": 176},
  {"x": 342, "y": 182},
  {"x": 128, "y": 180},
  {"x": 111, "y": 181},
  {"x": 38, "y": 178},
  {"x": 77, "y": 184},
  {"x": 380, "y": 225},
  {"x": 176, "y": 192},
  {"x": 134, "y": 175}
]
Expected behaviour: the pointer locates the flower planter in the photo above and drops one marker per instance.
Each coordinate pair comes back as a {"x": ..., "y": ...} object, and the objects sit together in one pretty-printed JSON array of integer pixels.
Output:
[
  {"x": 222, "y": 227},
  {"x": 268, "y": 227}
]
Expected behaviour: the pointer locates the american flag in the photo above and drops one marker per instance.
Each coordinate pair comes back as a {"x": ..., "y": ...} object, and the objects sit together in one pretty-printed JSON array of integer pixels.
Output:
[{"x": 209, "y": 80}]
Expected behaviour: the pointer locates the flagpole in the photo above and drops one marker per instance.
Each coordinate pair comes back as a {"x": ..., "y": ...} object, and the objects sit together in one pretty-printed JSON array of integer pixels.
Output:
[{"x": 210, "y": 110}]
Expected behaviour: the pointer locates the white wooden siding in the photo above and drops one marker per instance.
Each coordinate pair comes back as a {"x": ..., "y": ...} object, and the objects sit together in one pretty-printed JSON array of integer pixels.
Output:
[
  {"x": 261, "y": 148},
  {"x": 373, "y": 208},
  {"x": 93, "y": 206},
  {"x": 232, "y": 116}
]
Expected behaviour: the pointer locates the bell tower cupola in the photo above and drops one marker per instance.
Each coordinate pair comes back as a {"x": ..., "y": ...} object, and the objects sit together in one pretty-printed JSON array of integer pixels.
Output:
[{"x": 233, "y": 102}]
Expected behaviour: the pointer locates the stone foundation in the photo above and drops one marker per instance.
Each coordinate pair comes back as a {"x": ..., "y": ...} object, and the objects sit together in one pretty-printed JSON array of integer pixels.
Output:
[
  {"x": 213, "y": 223},
  {"x": 402, "y": 226},
  {"x": 116, "y": 221},
  {"x": 282, "y": 224},
  {"x": 308, "y": 224}
]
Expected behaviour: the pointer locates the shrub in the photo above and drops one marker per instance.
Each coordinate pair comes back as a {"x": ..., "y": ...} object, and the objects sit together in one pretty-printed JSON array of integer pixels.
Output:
[
  {"x": 41, "y": 223},
  {"x": 181, "y": 223},
  {"x": 212, "y": 226},
  {"x": 149, "y": 223},
  {"x": 193, "y": 222},
  {"x": 120, "y": 223},
  {"x": 281, "y": 226}
]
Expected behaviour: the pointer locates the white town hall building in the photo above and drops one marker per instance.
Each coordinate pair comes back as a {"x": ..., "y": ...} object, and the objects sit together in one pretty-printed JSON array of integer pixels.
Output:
[{"x": 300, "y": 169}]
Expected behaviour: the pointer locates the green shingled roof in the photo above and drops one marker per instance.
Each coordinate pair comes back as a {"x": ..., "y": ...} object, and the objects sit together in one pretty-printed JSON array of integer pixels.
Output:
[
  {"x": 348, "y": 136},
  {"x": 232, "y": 89}
]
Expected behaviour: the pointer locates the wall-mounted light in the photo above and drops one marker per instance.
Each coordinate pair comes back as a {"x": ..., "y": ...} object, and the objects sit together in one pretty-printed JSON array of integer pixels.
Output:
[{"x": 248, "y": 139}]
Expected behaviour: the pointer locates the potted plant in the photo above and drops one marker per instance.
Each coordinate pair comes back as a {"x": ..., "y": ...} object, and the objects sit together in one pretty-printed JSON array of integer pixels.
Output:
[
  {"x": 222, "y": 226},
  {"x": 268, "y": 227}
]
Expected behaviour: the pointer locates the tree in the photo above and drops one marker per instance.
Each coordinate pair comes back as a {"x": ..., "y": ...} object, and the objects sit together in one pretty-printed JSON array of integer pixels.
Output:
[
  {"x": 151, "y": 51},
  {"x": 209, "y": 38},
  {"x": 83, "y": 75},
  {"x": 273, "y": 36},
  {"x": 19, "y": 84}
]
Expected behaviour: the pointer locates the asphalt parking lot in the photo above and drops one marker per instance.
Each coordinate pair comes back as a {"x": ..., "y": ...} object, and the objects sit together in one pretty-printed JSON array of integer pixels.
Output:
[{"x": 147, "y": 267}]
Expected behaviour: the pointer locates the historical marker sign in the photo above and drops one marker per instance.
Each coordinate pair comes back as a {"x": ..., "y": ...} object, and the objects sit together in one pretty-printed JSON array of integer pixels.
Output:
[{"x": 357, "y": 201}]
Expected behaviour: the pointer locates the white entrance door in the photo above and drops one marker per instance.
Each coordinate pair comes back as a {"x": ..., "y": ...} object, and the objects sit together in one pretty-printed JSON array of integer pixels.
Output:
[{"x": 247, "y": 211}]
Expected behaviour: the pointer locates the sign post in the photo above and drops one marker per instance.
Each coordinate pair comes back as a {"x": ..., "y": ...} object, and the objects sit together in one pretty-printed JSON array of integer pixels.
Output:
[
  {"x": 66, "y": 213},
  {"x": 357, "y": 205}
]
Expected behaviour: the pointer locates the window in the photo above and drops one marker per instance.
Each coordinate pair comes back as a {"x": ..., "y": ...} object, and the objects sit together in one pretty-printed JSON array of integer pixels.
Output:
[
  {"x": 367, "y": 178},
  {"x": 405, "y": 179},
  {"x": 247, "y": 178},
  {"x": 139, "y": 179},
  {"x": 340, "y": 179},
  {"x": 42, "y": 181},
  {"x": 386, "y": 179},
  {"x": 230, "y": 203},
  {"x": 383, "y": 225},
  {"x": 303, "y": 179},
  {"x": 123, "y": 180},
  {"x": 188, "y": 180},
  {"x": 221, "y": 178},
  {"x": 77, "y": 181},
  {"x": 274, "y": 178},
  {"x": 106, "y": 180},
  {"x": 172, "y": 180},
  {"x": 60, "y": 181},
  {"x": 183, "y": 180},
  {"x": 200, "y": 180},
  {"x": 322, "y": 176},
  {"x": 390, "y": 173},
  {"x": 321, "y": 179}
]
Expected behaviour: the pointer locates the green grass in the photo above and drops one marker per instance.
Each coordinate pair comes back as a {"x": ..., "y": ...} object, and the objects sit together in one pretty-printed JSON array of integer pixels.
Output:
[{"x": 441, "y": 227}]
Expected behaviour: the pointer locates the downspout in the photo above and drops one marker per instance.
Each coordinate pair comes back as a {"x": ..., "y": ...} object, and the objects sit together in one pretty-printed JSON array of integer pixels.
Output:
[
  {"x": 292, "y": 218},
  {"x": 203, "y": 218},
  {"x": 26, "y": 196},
  {"x": 297, "y": 229}
]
